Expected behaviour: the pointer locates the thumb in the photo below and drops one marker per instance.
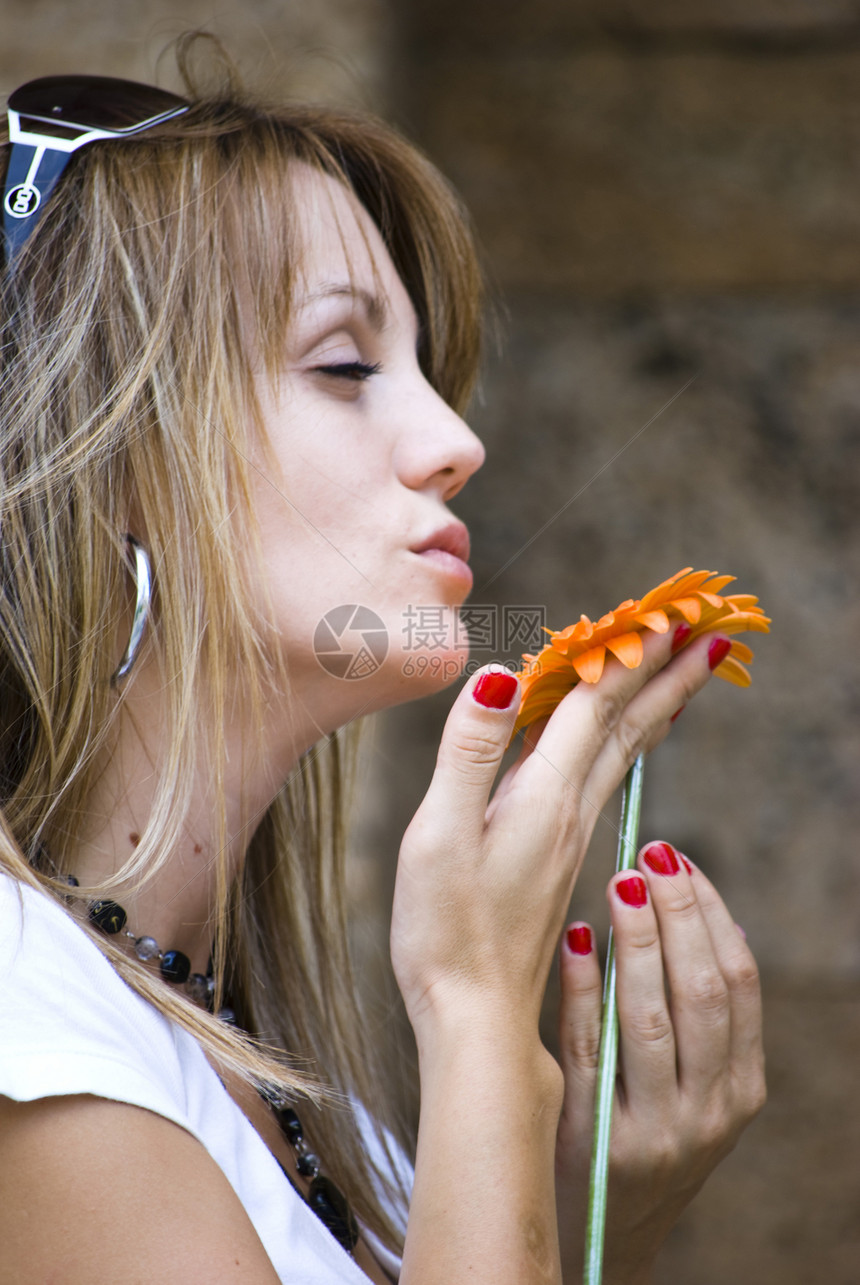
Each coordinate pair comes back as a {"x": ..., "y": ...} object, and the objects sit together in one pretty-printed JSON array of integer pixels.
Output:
[{"x": 473, "y": 744}]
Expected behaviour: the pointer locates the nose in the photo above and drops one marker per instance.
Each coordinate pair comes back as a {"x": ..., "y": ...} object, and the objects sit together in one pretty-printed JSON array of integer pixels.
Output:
[{"x": 437, "y": 450}]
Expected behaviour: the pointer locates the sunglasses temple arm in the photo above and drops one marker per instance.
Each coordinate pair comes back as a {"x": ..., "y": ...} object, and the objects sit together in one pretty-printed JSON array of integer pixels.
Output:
[{"x": 31, "y": 177}]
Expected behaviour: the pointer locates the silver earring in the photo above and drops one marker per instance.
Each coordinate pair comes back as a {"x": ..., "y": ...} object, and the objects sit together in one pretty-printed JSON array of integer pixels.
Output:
[{"x": 143, "y": 580}]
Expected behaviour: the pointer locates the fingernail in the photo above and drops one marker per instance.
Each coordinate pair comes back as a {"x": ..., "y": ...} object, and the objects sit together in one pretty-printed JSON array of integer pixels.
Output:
[
  {"x": 579, "y": 939},
  {"x": 717, "y": 651},
  {"x": 677, "y": 714},
  {"x": 495, "y": 690},
  {"x": 682, "y": 633},
  {"x": 741, "y": 931},
  {"x": 687, "y": 866},
  {"x": 632, "y": 890},
  {"x": 661, "y": 858}
]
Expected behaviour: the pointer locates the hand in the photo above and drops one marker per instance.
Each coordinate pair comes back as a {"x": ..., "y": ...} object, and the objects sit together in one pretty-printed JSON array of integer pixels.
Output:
[
  {"x": 479, "y": 903},
  {"x": 482, "y": 886},
  {"x": 691, "y": 1061}
]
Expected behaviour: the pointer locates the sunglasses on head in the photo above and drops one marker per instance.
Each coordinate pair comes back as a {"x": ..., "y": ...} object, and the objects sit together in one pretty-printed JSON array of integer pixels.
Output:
[{"x": 52, "y": 117}]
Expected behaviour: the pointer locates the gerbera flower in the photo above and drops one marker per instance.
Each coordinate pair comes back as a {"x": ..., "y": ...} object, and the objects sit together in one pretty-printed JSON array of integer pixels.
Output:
[{"x": 578, "y": 653}]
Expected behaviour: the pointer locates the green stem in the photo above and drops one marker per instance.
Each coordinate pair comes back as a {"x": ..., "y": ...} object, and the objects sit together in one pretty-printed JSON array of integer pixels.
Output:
[{"x": 608, "y": 1059}]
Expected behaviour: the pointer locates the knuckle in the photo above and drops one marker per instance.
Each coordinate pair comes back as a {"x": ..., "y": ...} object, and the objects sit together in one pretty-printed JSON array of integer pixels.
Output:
[
  {"x": 742, "y": 977},
  {"x": 585, "y": 1049},
  {"x": 753, "y": 1092},
  {"x": 631, "y": 739},
  {"x": 472, "y": 746},
  {"x": 608, "y": 708},
  {"x": 707, "y": 992},
  {"x": 651, "y": 1158},
  {"x": 717, "y": 1128},
  {"x": 424, "y": 834},
  {"x": 651, "y": 1026}
]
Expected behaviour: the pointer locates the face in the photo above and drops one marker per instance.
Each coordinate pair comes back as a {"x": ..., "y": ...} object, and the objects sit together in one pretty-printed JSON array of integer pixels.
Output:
[{"x": 352, "y": 495}]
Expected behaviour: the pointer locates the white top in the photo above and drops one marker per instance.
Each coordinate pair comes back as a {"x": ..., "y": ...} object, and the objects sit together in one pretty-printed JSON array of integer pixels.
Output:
[{"x": 70, "y": 1024}]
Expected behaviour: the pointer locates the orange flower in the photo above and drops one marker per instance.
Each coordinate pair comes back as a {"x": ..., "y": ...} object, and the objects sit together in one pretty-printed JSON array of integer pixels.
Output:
[{"x": 579, "y": 652}]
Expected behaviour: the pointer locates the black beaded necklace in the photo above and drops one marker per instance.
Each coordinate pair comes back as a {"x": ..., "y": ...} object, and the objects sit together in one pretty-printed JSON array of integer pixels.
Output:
[{"x": 324, "y": 1197}]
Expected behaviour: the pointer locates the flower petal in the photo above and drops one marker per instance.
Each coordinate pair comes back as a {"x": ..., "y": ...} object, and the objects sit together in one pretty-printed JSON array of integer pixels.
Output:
[
  {"x": 733, "y": 672},
  {"x": 628, "y": 648},
  {"x": 712, "y": 599},
  {"x": 741, "y": 651},
  {"x": 579, "y": 651},
  {"x": 589, "y": 665},
  {"x": 717, "y": 585},
  {"x": 663, "y": 592},
  {"x": 656, "y": 620},
  {"x": 689, "y": 608}
]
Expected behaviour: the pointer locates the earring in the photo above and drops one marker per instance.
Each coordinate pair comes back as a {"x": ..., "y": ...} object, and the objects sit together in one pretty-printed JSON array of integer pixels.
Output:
[{"x": 143, "y": 581}]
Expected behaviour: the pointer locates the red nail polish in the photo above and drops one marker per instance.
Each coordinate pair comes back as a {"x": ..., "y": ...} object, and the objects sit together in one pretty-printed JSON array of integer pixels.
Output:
[
  {"x": 717, "y": 651},
  {"x": 682, "y": 633},
  {"x": 677, "y": 714},
  {"x": 495, "y": 690},
  {"x": 632, "y": 890},
  {"x": 687, "y": 866},
  {"x": 661, "y": 858},
  {"x": 579, "y": 939}
]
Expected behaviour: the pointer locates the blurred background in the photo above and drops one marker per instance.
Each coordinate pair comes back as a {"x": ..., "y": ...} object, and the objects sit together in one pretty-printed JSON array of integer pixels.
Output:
[{"x": 668, "y": 198}]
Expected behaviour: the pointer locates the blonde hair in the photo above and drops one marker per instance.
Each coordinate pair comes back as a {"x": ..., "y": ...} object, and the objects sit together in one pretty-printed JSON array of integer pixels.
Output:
[{"x": 126, "y": 380}]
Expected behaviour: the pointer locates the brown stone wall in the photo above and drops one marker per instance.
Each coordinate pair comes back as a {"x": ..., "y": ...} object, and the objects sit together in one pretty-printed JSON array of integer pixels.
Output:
[
  {"x": 669, "y": 201},
  {"x": 667, "y": 194},
  {"x": 330, "y": 49}
]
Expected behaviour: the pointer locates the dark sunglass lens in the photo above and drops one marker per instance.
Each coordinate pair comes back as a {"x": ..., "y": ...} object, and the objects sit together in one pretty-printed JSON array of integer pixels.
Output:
[{"x": 94, "y": 102}]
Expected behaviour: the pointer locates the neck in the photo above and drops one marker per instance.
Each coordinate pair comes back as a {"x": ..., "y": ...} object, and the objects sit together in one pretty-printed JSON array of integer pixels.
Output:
[{"x": 176, "y": 905}]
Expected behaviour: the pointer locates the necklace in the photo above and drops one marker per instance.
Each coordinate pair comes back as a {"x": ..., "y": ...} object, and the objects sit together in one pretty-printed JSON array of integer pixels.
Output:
[
  {"x": 324, "y": 1196},
  {"x": 174, "y": 966}
]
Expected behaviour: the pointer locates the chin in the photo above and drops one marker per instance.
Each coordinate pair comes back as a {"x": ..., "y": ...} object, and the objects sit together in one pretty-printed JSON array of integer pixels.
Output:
[{"x": 411, "y": 675}]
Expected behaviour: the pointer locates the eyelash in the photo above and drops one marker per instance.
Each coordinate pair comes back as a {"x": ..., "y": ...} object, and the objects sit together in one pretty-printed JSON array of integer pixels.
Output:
[{"x": 358, "y": 370}]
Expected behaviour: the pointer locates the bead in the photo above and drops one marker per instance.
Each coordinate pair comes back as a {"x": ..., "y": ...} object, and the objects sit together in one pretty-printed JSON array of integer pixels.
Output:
[
  {"x": 329, "y": 1204},
  {"x": 175, "y": 967},
  {"x": 291, "y": 1125},
  {"x": 272, "y": 1096},
  {"x": 307, "y": 1163},
  {"x": 146, "y": 948},
  {"x": 198, "y": 988},
  {"x": 110, "y": 917}
]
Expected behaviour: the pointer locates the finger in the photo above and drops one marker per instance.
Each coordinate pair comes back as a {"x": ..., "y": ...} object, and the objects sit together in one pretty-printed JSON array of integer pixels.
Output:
[
  {"x": 473, "y": 743},
  {"x": 562, "y": 762},
  {"x": 738, "y": 967},
  {"x": 645, "y": 1032},
  {"x": 699, "y": 1004},
  {"x": 579, "y": 1019},
  {"x": 590, "y": 715},
  {"x": 531, "y": 737},
  {"x": 647, "y": 716}
]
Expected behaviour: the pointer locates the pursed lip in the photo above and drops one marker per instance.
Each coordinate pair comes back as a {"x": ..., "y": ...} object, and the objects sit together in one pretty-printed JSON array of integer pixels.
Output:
[{"x": 453, "y": 539}]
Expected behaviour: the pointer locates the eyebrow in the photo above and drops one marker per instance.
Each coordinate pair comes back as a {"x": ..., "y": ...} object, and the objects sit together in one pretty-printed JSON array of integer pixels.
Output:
[{"x": 375, "y": 306}]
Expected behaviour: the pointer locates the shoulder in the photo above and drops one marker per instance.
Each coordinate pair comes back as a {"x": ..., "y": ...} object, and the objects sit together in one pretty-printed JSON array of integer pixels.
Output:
[
  {"x": 117, "y": 1193},
  {"x": 70, "y": 1024},
  {"x": 81, "y": 1055}
]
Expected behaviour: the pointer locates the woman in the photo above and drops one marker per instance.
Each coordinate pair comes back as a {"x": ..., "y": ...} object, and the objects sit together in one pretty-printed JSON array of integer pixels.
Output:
[{"x": 236, "y": 348}]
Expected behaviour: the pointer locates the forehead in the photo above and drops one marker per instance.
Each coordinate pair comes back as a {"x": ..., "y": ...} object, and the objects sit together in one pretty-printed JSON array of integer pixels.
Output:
[{"x": 341, "y": 249}]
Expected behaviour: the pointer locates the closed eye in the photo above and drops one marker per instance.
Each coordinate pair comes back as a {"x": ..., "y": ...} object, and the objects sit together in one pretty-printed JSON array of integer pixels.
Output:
[{"x": 357, "y": 370}]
